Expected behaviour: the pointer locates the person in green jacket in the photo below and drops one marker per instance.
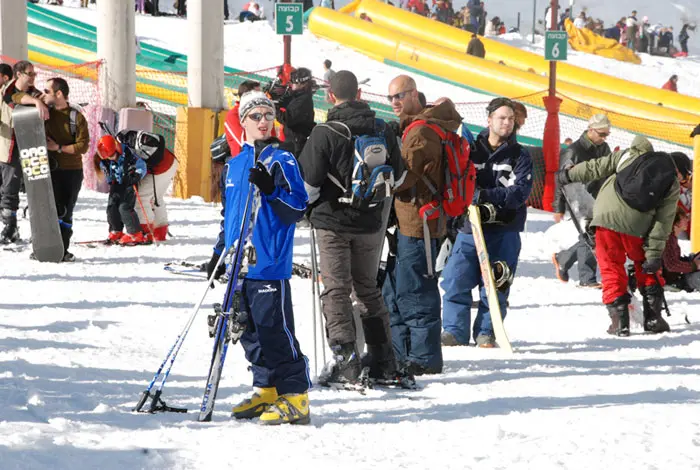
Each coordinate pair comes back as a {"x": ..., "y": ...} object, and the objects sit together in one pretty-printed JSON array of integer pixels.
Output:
[{"x": 623, "y": 232}]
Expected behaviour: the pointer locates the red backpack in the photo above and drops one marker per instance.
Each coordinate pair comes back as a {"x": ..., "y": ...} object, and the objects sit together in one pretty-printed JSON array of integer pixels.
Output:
[{"x": 460, "y": 180}]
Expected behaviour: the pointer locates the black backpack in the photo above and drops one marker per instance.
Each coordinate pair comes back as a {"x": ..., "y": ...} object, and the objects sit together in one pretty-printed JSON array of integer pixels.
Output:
[{"x": 645, "y": 182}]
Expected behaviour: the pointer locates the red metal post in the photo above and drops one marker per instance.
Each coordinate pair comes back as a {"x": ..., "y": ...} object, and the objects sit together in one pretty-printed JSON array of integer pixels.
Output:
[
  {"x": 551, "y": 138},
  {"x": 287, "y": 41}
]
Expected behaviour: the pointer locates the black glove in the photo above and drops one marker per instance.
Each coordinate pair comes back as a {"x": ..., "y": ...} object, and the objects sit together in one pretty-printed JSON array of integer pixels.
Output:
[
  {"x": 261, "y": 178},
  {"x": 563, "y": 177},
  {"x": 132, "y": 176},
  {"x": 695, "y": 132},
  {"x": 651, "y": 266},
  {"x": 490, "y": 215},
  {"x": 212, "y": 264}
]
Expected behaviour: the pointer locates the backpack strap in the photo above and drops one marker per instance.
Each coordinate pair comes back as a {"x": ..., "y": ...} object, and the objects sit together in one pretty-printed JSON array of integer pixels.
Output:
[
  {"x": 347, "y": 136},
  {"x": 73, "y": 117}
]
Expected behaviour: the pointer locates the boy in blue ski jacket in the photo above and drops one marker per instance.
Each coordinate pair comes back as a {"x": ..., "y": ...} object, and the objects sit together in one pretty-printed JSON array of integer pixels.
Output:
[
  {"x": 504, "y": 182},
  {"x": 123, "y": 170},
  {"x": 280, "y": 370}
]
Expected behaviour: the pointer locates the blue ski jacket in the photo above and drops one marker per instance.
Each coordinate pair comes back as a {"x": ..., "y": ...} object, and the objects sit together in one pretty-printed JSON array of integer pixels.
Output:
[
  {"x": 116, "y": 171},
  {"x": 273, "y": 233},
  {"x": 503, "y": 178}
]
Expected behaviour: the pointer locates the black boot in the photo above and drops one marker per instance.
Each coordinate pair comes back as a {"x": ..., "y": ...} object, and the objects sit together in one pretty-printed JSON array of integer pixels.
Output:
[
  {"x": 380, "y": 351},
  {"x": 344, "y": 366},
  {"x": 620, "y": 316},
  {"x": 10, "y": 233},
  {"x": 653, "y": 299}
]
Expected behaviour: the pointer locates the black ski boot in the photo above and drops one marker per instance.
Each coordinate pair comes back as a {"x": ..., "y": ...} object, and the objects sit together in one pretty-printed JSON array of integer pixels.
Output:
[
  {"x": 620, "y": 316},
  {"x": 10, "y": 233},
  {"x": 653, "y": 299},
  {"x": 344, "y": 366},
  {"x": 380, "y": 352}
]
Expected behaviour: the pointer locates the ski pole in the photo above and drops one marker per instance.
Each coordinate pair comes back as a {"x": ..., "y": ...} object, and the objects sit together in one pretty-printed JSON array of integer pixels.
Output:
[
  {"x": 148, "y": 221},
  {"x": 314, "y": 276},
  {"x": 172, "y": 353},
  {"x": 318, "y": 296}
]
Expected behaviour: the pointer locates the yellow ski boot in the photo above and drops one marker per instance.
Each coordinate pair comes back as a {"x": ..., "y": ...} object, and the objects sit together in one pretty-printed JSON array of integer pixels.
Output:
[
  {"x": 255, "y": 405},
  {"x": 292, "y": 408}
]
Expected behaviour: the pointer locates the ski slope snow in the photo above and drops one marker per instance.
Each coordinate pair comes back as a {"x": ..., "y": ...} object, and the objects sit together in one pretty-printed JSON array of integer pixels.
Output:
[{"x": 79, "y": 342}]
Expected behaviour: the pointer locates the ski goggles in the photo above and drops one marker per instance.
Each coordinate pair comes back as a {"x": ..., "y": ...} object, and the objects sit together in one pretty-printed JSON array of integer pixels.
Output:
[{"x": 257, "y": 117}]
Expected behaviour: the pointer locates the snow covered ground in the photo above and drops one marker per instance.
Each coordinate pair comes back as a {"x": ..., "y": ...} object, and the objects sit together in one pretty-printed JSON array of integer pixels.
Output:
[{"x": 79, "y": 342}]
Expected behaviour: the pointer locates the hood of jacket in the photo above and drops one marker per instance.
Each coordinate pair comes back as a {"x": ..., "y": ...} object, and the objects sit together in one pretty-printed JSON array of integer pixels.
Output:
[{"x": 445, "y": 115}]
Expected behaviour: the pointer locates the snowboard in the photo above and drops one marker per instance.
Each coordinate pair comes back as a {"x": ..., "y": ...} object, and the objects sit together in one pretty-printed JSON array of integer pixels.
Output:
[
  {"x": 489, "y": 284},
  {"x": 43, "y": 218}
]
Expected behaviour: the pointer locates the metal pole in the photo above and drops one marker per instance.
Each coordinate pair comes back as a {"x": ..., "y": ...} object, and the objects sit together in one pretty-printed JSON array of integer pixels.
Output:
[
  {"x": 287, "y": 41},
  {"x": 553, "y": 63},
  {"x": 534, "y": 19},
  {"x": 518, "y": 27}
]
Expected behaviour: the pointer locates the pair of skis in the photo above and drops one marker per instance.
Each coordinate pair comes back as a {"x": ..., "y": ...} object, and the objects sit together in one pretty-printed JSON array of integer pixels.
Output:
[{"x": 228, "y": 323}]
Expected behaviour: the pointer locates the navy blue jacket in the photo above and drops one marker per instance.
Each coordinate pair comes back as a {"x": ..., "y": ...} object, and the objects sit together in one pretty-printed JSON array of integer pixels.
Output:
[
  {"x": 115, "y": 171},
  {"x": 273, "y": 233},
  {"x": 503, "y": 178}
]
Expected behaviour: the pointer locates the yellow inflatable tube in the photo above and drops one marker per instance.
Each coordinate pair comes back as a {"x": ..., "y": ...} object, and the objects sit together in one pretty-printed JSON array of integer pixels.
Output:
[
  {"x": 585, "y": 40},
  {"x": 390, "y": 46},
  {"x": 456, "y": 39}
]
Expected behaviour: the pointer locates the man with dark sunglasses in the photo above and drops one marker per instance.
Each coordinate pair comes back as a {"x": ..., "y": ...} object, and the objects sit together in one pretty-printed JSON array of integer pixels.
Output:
[
  {"x": 20, "y": 90},
  {"x": 589, "y": 146}
]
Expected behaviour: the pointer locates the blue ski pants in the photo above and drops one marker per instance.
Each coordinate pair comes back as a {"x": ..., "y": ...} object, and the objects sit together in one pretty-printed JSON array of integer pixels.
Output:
[
  {"x": 462, "y": 274},
  {"x": 269, "y": 341},
  {"x": 413, "y": 300}
]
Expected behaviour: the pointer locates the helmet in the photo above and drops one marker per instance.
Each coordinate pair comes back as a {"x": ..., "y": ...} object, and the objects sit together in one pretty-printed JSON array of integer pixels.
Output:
[
  {"x": 108, "y": 146},
  {"x": 301, "y": 75}
]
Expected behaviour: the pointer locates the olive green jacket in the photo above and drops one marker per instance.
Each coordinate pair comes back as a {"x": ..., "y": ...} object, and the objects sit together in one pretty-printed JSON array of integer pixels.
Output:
[{"x": 611, "y": 212}]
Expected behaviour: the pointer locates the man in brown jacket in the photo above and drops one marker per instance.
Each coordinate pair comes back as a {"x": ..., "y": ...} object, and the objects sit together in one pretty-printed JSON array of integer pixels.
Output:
[
  {"x": 67, "y": 139},
  {"x": 411, "y": 294}
]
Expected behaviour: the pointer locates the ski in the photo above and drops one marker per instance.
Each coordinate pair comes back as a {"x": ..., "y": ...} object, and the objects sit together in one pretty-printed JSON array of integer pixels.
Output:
[
  {"x": 229, "y": 321},
  {"x": 489, "y": 284},
  {"x": 365, "y": 382},
  {"x": 178, "y": 267},
  {"x": 191, "y": 272}
]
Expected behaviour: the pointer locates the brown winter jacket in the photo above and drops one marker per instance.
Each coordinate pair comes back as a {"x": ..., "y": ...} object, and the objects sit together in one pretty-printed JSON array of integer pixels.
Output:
[
  {"x": 59, "y": 129},
  {"x": 422, "y": 154}
]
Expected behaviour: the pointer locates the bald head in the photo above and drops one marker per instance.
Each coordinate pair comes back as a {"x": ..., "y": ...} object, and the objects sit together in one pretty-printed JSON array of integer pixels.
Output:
[
  {"x": 444, "y": 99},
  {"x": 403, "y": 96}
]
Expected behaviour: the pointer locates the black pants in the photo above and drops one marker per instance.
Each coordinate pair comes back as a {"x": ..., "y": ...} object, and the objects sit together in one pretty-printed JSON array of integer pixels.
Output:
[
  {"x": 120, "y": 209},
  {"x": 684, "y": 46},
  {"x": 225, "y": 9},
  {"x": 10, "y": 182},
  {"x": 66, "y": 186}
]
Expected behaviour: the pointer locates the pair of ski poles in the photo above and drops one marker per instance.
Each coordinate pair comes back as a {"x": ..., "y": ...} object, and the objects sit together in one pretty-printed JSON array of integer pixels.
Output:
[{"x": 316, "y": 304}]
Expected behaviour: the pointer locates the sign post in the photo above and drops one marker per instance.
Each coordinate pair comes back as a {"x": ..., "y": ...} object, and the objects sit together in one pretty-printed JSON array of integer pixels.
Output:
[{"x": 289, "y": 20}]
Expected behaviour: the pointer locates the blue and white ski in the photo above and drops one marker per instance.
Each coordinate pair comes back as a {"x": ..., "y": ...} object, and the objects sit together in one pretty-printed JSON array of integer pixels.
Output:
[{"x": 229, "y": 321}]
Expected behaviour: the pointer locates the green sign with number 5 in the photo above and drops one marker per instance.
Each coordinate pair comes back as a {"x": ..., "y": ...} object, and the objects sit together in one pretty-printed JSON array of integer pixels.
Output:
[
  {"x": 556, "y": 45},
  {"x": 289, "y": 18}
]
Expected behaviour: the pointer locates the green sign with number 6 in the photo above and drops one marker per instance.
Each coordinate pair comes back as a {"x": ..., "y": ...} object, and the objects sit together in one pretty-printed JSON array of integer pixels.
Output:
[
  {"x": 556, "y": 44},
  {"x": 289, "y": 18}
]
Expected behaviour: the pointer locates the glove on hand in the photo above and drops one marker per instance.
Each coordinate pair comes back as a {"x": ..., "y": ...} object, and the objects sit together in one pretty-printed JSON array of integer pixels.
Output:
[
  {"x": 490, "y": 215},
  {"x": 261, "y": 178},
  {"x": 563, "y": 177},
  {"x": 651, "y": 266},
  {"x": 212, "y": 265}
]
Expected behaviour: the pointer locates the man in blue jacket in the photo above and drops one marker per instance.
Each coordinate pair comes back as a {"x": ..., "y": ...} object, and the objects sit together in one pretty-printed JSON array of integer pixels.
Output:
[
  {"x": 504, "y": 181},
  {"x": 280, "y": 371}
]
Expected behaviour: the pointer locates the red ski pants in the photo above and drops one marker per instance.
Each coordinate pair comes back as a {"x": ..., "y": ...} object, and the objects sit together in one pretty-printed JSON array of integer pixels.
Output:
[{"x": 612, "y": 250}]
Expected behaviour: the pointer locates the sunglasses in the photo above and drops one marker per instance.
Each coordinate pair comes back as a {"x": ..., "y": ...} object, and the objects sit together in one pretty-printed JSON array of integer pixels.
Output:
[
  {"x": 30, "y": 74},
  {"x": 602, "y": 134},
  {"x": 257, "y": 117},
  {"x": 47, "y": 91},
  {"x": 398, "y": 96}
]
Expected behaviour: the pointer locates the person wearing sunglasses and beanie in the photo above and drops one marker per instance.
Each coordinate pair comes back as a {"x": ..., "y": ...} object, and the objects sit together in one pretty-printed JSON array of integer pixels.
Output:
[
  {"x": 280, "y": 370},
  {"x": 592, "y": 144},
  {"x": 19, "y": 91}
]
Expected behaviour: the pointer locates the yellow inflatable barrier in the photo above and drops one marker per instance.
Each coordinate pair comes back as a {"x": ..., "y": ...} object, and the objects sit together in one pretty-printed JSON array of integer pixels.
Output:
[
  {"x": 585, "y": 40},
  {"x": 426, "y": 58},
  {"x": 424, "y": 29}
]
